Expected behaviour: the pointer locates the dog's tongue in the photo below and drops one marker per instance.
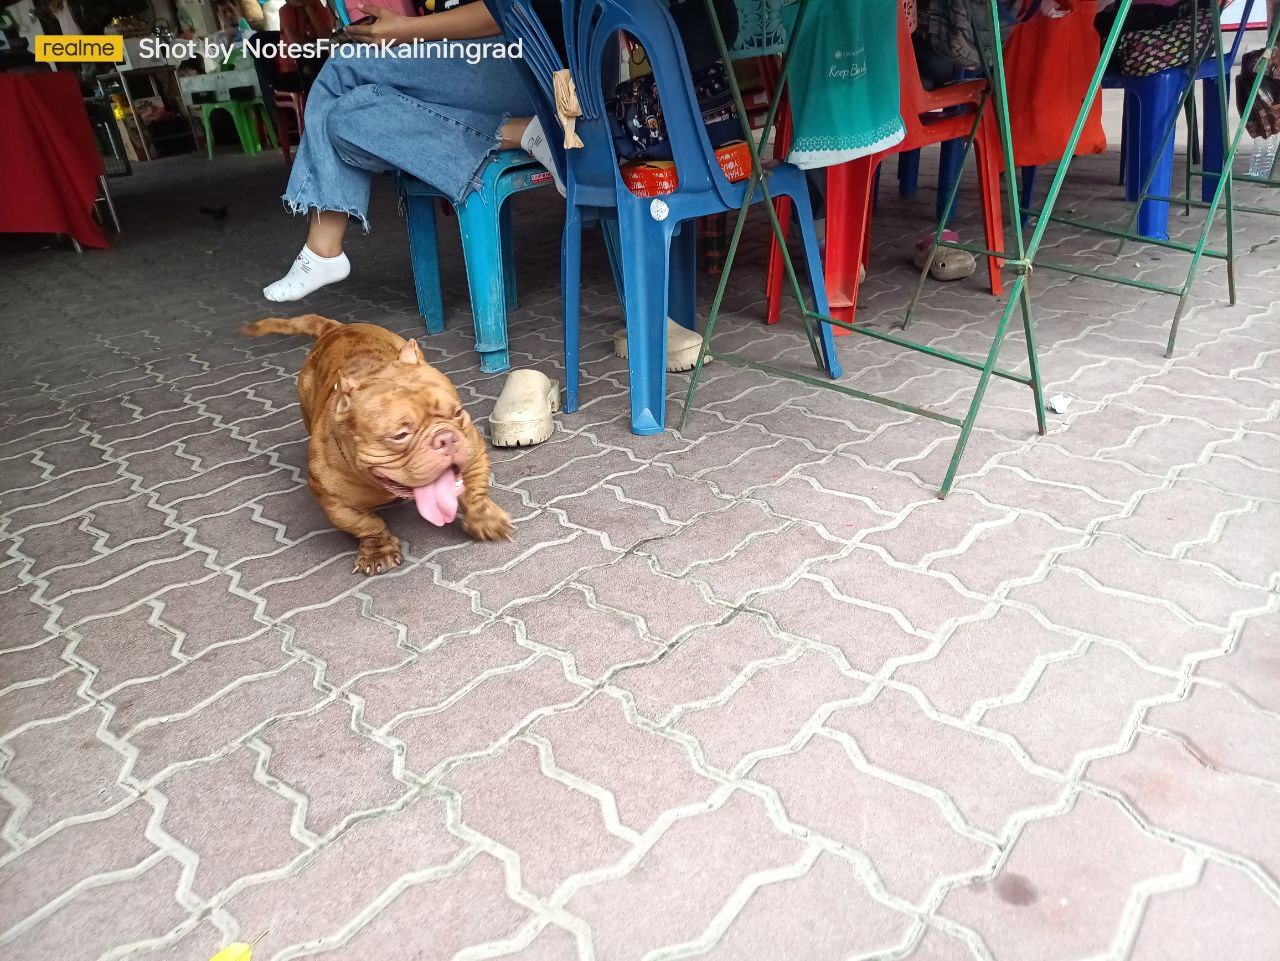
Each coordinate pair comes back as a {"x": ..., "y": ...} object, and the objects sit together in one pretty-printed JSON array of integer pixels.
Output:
[{"x": 438, "y": 501}]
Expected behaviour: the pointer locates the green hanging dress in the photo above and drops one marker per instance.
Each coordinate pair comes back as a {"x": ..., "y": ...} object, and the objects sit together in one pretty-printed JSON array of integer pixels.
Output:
[{"x": 844, "y": 81}]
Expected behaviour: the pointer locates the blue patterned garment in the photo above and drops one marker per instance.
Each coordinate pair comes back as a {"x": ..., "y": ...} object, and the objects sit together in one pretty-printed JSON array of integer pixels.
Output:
[
  {"x": 760, "y": 28},
  {"x": 844, "y": 81}
]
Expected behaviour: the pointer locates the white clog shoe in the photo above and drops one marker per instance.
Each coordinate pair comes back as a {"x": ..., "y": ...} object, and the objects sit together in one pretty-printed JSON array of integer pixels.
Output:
[
  {"x": 683, "y": 345},
  {"x": 522, "y": 415}
]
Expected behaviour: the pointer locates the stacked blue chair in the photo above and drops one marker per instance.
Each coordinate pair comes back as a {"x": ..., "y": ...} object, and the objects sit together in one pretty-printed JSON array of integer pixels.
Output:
[
  {"x": 656, "y": 244},
  {"x": 484, "y": 221}
]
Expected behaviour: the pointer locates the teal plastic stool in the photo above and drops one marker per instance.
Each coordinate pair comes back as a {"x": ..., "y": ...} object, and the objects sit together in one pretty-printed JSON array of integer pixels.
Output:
[
  {"x": 244, "y": 114},
  {"x": 484, "y": 220}
]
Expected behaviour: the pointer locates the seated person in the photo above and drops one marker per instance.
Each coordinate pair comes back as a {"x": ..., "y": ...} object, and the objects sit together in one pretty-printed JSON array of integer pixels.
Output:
[
  {"x": 439, "y": 119},
  {"x": 302, "y": 22}
]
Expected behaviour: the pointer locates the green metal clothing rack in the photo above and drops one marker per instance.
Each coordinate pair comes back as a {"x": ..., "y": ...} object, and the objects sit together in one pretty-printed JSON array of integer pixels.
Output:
[
  {"x": 1019, "y": 261},
  {"x": 1222, "y": 197}
]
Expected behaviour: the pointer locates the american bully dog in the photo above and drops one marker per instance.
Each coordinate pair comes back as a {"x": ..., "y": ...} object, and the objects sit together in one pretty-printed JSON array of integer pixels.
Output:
[{"x": 386, "y": 426}]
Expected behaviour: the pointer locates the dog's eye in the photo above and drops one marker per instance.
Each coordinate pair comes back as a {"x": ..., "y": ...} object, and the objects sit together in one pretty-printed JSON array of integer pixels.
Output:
[{"x": 400, "y": 436}]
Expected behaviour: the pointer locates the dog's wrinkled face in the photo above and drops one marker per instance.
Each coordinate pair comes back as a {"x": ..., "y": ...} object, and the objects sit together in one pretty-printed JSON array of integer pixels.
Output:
[{"x": 409, "y": 431}]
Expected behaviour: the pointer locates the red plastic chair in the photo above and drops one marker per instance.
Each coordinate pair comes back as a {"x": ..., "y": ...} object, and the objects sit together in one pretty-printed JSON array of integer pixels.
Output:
[
  {"x": 850, "y": 186},
  {"x": 295, "y": 103}
]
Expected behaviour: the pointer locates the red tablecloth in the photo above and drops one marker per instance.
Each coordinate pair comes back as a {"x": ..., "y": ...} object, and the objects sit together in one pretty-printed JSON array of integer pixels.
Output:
[{"x": 49, "y": 166}]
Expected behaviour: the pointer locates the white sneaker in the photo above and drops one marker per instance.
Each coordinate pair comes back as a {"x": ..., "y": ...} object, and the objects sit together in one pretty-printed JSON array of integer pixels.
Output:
[
  {"x": 683, "y": 345},
  {"x": 522, "y": 415}
]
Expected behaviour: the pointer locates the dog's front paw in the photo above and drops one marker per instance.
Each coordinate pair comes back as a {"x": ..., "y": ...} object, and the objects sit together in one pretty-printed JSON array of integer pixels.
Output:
[
  {"x": 487, "y": 522},
  {"x": 377, "y": 554}
]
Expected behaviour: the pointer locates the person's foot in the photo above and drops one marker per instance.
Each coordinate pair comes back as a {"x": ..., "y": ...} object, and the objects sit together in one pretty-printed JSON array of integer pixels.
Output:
[
  {"x": 308, "y": 274},
  {"x": 534, "y": 143},
  {"x": 683, "y": 345},
  {"x": 948, "y": 263},
  {"x": 522, "y": 415}
]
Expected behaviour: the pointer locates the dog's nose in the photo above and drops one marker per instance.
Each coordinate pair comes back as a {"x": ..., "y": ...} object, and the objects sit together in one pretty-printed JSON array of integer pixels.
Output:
[{"x": 444, "y": 441}]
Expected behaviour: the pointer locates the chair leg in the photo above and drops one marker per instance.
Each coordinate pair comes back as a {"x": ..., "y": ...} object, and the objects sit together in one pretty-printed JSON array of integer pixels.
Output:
[
  {"x": 1156, "y": 100},
  {"x": 992, "y": 218},
  {"x": 683, "y": 296},
  {"x": 570, "y": 284},
  {"x": 420, "y": 215},
  {"x": 646, "y": 256},
  {"x": 283, "y": 136},
  {"x": 1212, "y": 152},
  {"x": 774, "y": 279},
  {"x": 479, "y": 224},
  {"x": 950, "y": 158},
  {"x": 909, "y": 173},
  {"x": 510, "y": 293},
  {"x": 613, "y": 248},
  {"x": 266, "y": 128},
  {"x": 1027, "y": 196},
  {"x": 813, "y": 263},
  {"x": 782, "y": 207},
  {"x": 850, "y": 187},
  {"x": 208, "y": 131},
  {"x": 106, "y": 198}
]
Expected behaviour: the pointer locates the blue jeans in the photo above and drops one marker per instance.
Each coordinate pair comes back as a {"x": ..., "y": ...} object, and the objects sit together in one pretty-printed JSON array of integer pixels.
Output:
[{"x": 436, "y": 118}]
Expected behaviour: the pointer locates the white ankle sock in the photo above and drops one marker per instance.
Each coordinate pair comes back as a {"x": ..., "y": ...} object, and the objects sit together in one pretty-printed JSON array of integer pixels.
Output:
[
  {"x": 534, "y": 142},
  {"x": 309, "y": 273}
]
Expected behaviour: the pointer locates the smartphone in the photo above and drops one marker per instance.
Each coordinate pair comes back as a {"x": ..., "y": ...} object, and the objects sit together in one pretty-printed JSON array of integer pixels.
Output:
[{"x": 361, "y": 22}]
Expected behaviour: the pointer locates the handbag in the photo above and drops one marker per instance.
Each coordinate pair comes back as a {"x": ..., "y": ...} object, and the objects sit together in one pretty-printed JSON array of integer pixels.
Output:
[
  {"x": 1264, "y": 120},
  {"x": 1145, "y": 52},
  {"x": 636, "y": 121}
]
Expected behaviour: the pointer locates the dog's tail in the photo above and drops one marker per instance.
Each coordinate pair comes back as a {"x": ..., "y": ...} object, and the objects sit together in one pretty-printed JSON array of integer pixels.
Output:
[{"x": 313, "y": 325}]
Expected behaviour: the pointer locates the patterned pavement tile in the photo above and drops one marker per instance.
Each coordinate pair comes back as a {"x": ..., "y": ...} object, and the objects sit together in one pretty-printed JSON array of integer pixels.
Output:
[
  {"x": 1224, "y": 730},
  {"x": 868, "y": 638},
  {"x": 931, "y": 602},
  {"x": 1225, "y": 914},
  {"x": 1083, "y": 703},
  {"x": 1063, "y": 890},
  {"x": 906, "y": 836},
  {"x": 746, "y": 690},
  {"x": 959, "y": 762},
  {"x": 697, "y": 865},
  {"x": 701, "y": 666},
  {"x": 368, "y": 861},
  {"x": 208, "y": 808},
  {"x": 337, "y": 769},
  {"x": 1253, "y": 665},
  {"x": 555, "y": 831},
  {"x": 1204, "y": 807},
  {"x": 769, "y": 709},
  {"x": 825, "y": 914}
]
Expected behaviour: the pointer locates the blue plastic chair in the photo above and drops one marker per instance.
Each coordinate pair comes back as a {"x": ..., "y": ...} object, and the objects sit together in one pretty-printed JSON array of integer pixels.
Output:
[
  {"x": 484, "y": 220},
  {"x": 1149, "y": 107},
  {"x": 655, "y": 237}
]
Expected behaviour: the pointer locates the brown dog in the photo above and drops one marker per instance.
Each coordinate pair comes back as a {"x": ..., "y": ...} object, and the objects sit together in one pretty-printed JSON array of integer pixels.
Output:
[{"x": 386, "y": 426}]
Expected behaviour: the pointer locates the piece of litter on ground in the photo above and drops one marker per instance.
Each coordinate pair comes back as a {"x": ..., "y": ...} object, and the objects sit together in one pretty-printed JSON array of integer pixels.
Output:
[{"x": 1059, "y": 403}]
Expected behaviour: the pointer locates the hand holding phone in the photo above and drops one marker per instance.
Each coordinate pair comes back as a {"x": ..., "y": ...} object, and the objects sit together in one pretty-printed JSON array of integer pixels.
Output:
[
  {"x": 363, "y": 21},
  {"x": 384, "y": 26}
]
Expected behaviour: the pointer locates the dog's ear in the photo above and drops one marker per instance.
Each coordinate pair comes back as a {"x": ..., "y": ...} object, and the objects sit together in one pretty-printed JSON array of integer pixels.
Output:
[
  {"x": 345, "y": 387},
  {"x": 411, "y": 353}
]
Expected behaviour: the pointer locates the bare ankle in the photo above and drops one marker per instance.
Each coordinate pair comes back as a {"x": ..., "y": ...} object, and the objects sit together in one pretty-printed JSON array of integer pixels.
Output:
[{"x": 511, "y": 132}]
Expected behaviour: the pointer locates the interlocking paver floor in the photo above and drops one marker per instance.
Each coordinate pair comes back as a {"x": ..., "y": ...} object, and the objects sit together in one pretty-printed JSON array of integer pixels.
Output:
[{"x": 744, "y": 692}]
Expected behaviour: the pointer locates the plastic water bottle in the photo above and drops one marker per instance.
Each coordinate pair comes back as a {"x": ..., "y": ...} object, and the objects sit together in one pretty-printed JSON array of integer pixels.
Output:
[{"x": 1264, "y": 155}]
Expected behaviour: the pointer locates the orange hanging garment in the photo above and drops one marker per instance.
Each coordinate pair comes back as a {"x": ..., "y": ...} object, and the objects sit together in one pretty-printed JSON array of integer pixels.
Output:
[{"x": 1048, "y": 63}]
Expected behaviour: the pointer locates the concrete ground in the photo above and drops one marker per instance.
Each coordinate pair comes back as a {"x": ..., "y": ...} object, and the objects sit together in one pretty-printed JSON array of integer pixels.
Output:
[{"x": 749, "y": 691}]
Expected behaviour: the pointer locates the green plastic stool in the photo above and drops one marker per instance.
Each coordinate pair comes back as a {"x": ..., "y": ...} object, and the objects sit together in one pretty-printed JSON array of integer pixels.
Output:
[{"x": 243, "y": 116}]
